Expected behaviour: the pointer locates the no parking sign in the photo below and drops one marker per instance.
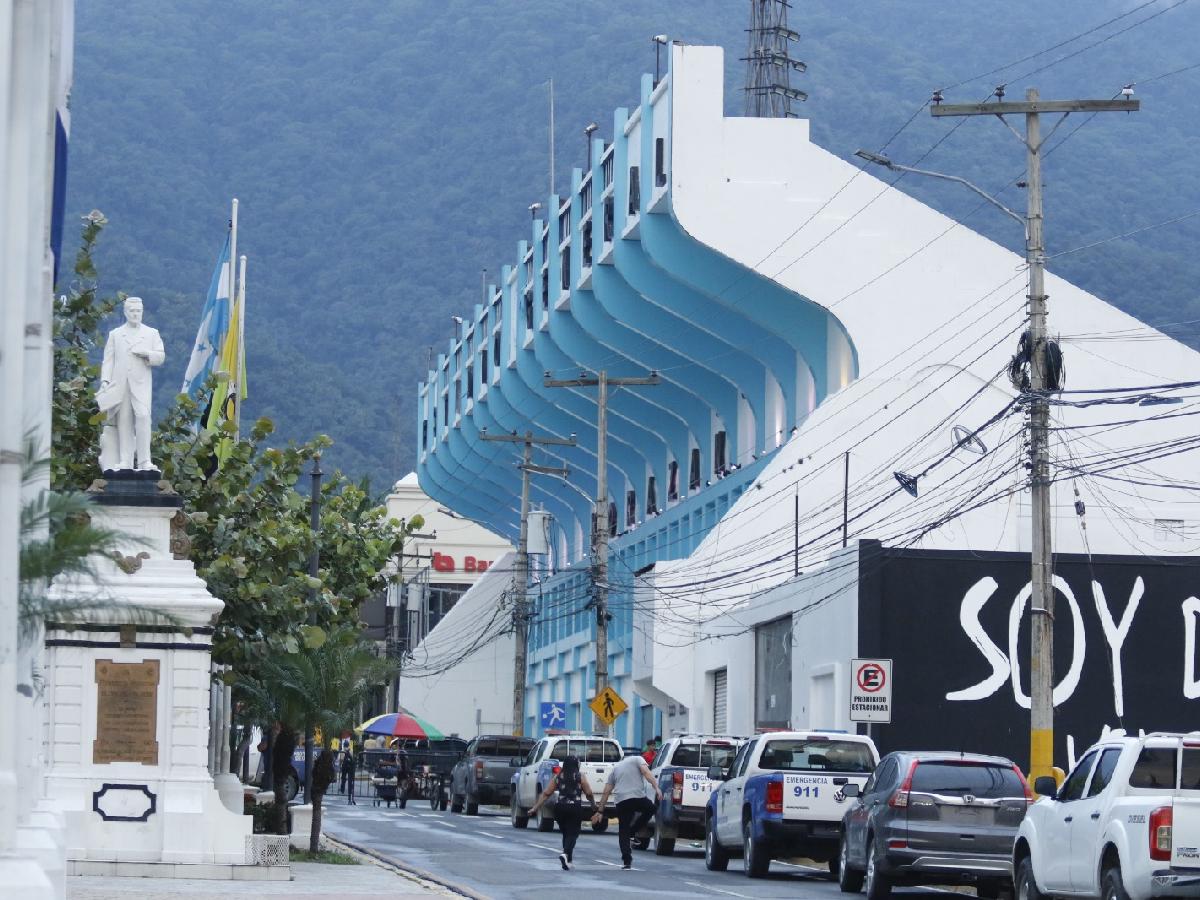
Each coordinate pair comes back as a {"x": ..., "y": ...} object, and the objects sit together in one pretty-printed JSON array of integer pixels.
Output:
[{"x": 871, "y": 690}]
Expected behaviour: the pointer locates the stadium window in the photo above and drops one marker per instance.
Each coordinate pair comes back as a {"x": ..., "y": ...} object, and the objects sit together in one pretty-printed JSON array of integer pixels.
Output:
[{"x": 694, "y": 474}]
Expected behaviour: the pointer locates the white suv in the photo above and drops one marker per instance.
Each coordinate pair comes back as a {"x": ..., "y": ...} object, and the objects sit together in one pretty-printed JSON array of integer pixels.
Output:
[{"x": 1125, "y": 824}]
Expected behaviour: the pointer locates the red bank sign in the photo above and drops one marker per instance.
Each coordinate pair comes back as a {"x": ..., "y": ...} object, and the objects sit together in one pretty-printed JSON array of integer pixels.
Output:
[{"x": 443, "y": 562}]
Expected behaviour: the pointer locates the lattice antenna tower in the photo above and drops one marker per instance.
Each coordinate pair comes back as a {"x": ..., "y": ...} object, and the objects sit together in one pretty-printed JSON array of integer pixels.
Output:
[{"x": 769, "y": 65}]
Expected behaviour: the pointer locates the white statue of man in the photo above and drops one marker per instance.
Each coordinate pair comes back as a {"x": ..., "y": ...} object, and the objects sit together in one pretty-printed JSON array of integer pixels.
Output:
[{"x": 124, "y": 395}]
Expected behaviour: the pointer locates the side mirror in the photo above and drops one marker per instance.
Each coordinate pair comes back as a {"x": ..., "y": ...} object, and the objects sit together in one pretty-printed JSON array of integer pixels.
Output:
[
  {"x": 1046, "y": 786},
  {"x": 716, "y": 773},
  {"x": 516, "y": 762},
  {"x": 850, "y": 790}
]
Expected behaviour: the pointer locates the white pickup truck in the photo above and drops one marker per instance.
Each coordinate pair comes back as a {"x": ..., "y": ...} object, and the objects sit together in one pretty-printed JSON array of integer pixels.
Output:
[
  {"x": 783, "y": 797},
  {"x": 1125, "y": 824},
  {"x": 597, "y": 756},
  {"x": 681, "y": 770}
]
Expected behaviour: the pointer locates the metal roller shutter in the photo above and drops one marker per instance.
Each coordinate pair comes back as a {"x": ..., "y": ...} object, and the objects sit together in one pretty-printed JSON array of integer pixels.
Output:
[{"x": 720, "y": 692}]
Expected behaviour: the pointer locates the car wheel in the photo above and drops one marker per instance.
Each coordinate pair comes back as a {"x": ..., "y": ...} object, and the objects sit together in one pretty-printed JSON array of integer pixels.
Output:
[
  {"x": 850, "y": 880},
  {"x": 519, "y": 817},
  {"x": 1112, "y": 887},
  {"x": 755, "y": 858},
  {"x": 1027, "y": 888},
  {"x": 877, "y": 884},
  {"x": 472, "y": 805},
  {"x": 715, "y": 857},
  {"x": 601, "y": 826},
  {"x": 663, "y": 846},
  {"x": 545, "y": 821},
  {"x": 292, "y": 788},
  {"x": 456, "y": 803}
]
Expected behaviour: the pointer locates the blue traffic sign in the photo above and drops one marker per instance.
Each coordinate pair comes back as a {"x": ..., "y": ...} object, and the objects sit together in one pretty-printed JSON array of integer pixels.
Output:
[{"x": 554, "y": 714}]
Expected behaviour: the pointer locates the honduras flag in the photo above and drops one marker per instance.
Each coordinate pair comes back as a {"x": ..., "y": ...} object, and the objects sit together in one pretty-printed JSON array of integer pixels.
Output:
[
  {"x": 65, "y": 46},
  {"x": 214, "y": 325}
]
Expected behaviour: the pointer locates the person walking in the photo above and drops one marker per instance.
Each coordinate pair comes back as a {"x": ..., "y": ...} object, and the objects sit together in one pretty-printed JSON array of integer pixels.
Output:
[
  {"x": 634, "y": 809},
  {"x": 570, "y": 783},
  {"x": 348, "y": 773}
]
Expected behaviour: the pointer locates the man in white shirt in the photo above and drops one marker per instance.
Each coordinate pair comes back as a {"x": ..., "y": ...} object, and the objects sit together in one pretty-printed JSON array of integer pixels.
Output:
[{"x": 635, "y": 810}]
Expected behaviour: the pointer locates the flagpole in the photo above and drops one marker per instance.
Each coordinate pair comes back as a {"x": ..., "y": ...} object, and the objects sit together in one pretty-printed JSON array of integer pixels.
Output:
[
  {"x": 241, "y": 361},
  {"x": 233, "y": 252}
]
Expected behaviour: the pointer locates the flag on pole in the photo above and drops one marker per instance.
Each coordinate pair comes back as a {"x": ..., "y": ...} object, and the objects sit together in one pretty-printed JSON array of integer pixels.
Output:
[
  {"x": 230, "y": 366},
  {"x": 214, "y": 328}
]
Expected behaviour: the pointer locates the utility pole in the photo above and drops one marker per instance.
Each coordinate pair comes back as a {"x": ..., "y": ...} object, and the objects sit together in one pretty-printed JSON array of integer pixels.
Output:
[
  {"x": 1041, "y": 666},
  {"x": 599, "y": 567},
  {"x": 314, "y": 568},
  {"x": 521, "y": 579}
]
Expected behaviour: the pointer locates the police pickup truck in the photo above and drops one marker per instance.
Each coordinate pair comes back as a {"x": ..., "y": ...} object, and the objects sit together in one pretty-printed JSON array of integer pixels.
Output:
[
  {"x": 681, "y": 770},
  {"x": 597, "y": 756},
  {"x": 783, "y": 798},
  {"x": 1125, "y": 825}
]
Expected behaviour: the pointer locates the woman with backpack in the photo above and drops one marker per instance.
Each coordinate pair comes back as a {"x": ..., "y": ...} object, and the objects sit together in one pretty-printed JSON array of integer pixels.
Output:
[{"x": 571, "y": 785}]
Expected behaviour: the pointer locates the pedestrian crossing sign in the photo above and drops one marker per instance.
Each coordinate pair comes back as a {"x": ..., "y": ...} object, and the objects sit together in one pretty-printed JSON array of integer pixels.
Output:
[{"x": 608, "y": 705}]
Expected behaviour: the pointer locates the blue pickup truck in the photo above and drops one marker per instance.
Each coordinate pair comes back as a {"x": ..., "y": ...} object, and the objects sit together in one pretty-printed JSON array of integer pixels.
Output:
[{"x": 782, "y": 798}]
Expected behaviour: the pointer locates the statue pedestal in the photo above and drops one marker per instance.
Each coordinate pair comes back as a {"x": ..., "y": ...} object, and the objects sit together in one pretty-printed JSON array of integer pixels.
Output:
[{"x": 127, "y": 704}]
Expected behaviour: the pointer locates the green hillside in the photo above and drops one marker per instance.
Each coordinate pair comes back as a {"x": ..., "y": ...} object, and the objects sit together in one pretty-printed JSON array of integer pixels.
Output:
[{"x": 385, "y": 153}]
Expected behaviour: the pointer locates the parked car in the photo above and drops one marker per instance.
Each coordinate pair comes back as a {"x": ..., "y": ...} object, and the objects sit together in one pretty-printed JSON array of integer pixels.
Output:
[
  {"x": 1125, "y": 825},
  {"x": 784, "y": 797},
  {"x": 484, "y": 773},
  {"x": 597, "y": 756},
  {"x": 933, "y": 818},
  {"x": 681, "y": 769}
]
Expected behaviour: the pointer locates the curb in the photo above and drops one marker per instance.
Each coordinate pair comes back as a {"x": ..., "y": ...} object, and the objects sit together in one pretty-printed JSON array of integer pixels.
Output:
[{"x": 406, "y": 868}]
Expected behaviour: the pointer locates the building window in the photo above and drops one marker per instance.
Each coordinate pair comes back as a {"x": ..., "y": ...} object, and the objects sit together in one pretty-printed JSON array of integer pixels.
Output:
[
  {"x": 483, "y": 365},
  {"x": 529, "y": 309},
  {"x": 607, "y": 168},
  {"x": 1168, "y": 530},
  {"x": 719, "y": 453},
  {"x": 608, "y": 220},
  {"x": 651, "y": 496},
  {"x": 587, "y": 243},
  {"x": 545, "y": 287},
  {"x": 496, "y": 349},
  {"x": 694, "y": 474},
  {"x": 635, "y": 191},
  {"x": 564, "y": 265},
  {"x": 446, "y": 408},
  {"x": 672, "y": 480},
  {"x": 585, "y": 196},
  {"x": 660, "y": 162},
  {"x": 612, "y": 519},
  {"x": 630, "y": 508},
  {"x": 470, "y": 382},
  {"x": 773, "y": 674},
  {"x": 564, "y": 226},
  {"x": 425, "y": 431}
]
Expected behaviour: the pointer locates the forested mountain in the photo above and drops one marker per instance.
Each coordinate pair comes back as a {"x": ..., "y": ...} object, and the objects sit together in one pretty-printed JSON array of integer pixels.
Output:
[{"x": 385, "y": 152}]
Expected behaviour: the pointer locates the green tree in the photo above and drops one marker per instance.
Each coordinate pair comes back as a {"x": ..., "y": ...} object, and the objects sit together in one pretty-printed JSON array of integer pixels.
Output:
[{"x": 317, "y": 691}]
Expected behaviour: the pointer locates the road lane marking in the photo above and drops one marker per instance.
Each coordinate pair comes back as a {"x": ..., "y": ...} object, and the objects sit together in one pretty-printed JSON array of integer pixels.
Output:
[
  {"x": 605, "y": 862},
  {"x": 447, "y": 824},
  {"x": 718, "y": 890},
  {"x": 539, "y": 846}
]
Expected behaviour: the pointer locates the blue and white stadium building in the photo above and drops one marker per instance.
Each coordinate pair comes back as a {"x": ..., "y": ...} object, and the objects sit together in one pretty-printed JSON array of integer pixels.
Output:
[{"x": 816, "y": 332}]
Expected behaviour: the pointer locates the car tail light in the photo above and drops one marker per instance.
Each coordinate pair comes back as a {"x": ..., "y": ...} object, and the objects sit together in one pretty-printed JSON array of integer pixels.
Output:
[
  {"x": 1160, "y": 833},
  {"x": 899, "y": 800},
  {"x": 556, "y": 769},
  {"x": 897, "y": 844},
  {"x": 1029, "y": 798},
  {"x": 676, "y": 788},
  {"x": 479, "y": 768},
  {"x": 775, "y": 796}
]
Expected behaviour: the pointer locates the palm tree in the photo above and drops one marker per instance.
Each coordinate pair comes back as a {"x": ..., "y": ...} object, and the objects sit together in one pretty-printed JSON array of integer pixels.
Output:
[{"x": 314, "y": 690}]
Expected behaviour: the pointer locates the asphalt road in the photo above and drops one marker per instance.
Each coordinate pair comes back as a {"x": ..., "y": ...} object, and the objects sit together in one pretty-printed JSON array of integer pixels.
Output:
[{"x": 486, "y": 854}]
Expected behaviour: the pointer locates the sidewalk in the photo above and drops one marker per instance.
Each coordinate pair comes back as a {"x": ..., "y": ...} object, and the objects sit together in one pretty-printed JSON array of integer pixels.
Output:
[{"x": 310, "y": 881}]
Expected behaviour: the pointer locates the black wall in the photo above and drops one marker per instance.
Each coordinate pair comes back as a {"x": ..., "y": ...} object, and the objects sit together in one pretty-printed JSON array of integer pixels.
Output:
[{"x": 910, "y": 605}]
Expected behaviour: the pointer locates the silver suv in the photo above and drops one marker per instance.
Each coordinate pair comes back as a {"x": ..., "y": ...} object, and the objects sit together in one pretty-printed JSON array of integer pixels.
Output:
[{"x": 933, "y": 818}]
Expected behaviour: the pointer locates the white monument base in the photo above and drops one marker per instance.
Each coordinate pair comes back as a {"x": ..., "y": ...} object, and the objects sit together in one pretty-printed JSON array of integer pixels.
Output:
[
  {"x": 301, "y": 826},
  {"x": 127, "y": 697}
]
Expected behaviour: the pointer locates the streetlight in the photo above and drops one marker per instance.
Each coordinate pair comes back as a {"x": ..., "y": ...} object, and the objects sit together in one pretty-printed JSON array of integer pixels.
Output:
[
  {"x": 658, "y": 40},
  {"x": 887, "y": 163},
  {"x": 533, "y": 209},
  {"x": 458, "y": 322},
  {"x": 588, "y": 130}
]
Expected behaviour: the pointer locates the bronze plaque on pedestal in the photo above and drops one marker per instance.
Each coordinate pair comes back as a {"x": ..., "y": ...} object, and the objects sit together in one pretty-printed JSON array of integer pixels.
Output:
[{"x": 126, "y": 712}]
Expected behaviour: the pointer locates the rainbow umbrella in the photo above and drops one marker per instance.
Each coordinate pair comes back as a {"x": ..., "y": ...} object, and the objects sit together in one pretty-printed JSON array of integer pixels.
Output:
[{"x": 400, "y": 724}]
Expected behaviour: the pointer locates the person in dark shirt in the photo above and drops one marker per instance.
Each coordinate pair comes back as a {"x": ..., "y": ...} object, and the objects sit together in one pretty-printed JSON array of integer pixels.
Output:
[{"x": 571, "y": 784}]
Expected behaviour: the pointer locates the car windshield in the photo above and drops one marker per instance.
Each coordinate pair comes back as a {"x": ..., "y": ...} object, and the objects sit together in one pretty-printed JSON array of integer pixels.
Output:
[
  {"x": 588, "y": 750},
  {"x": 506, "y": 747},
  {"x": 701, "y": 756},
  {"x": 816, "y": 755},
  {"x": 983, "y": 780}
]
